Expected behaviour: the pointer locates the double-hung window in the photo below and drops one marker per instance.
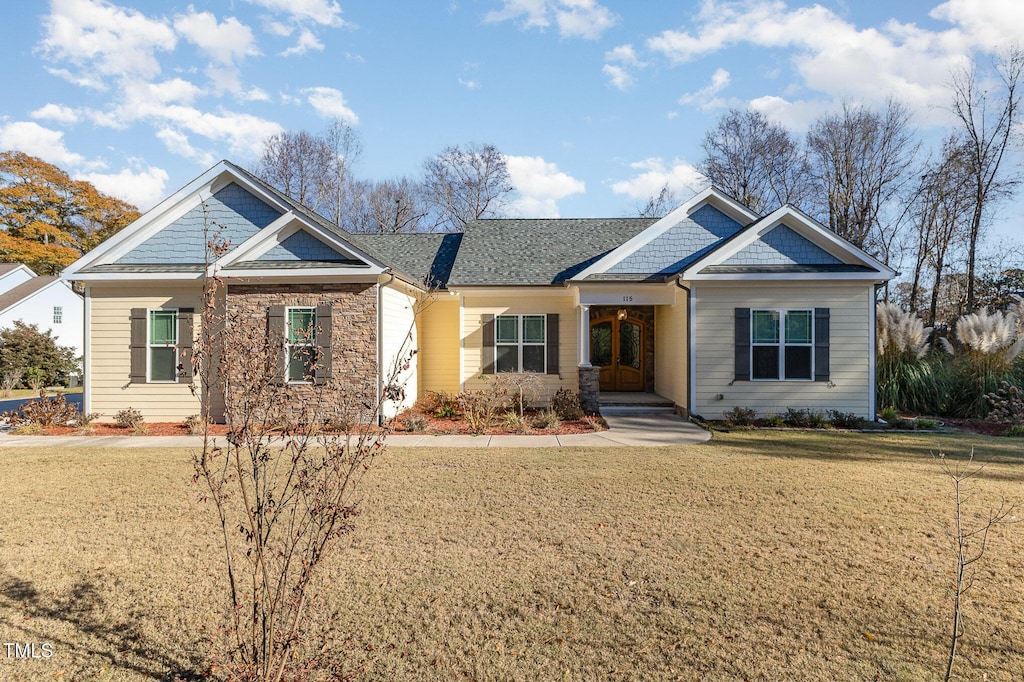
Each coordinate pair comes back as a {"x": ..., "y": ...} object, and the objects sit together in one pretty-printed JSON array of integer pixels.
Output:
[
  {"x": 58, "y": 314},
  {"x": 301, "y": 343},
  {"x": 163, "y": 345},
  {"x": 520, "y": 343},
  {"x": 782, "y": 344}
]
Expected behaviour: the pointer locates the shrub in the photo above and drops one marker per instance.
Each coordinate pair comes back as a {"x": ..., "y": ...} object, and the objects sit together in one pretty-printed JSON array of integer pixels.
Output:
[
  {"x": 805, "y": 419},
  {"x": 1015, "y": 431},
  {"x": 773, "y": 420},
  {"x": 44, "y": 412},
  {"x": 515, "y": 422},
  {"x": 129, "y": 418},
  {"x": 84, "y": 420},
  {"x": 844, "y": 420},
  {"x": 194, "y": 424},
  {"x": 479, "y": 408},
  {"x": 889, "y": 414},
  {"x": 740, "y": 416},
  {"x": 548, "y": 419},
  {"x": 440, "y": 404},
  {"x": 414, "y": 421},
  {"x": 521, "y": 389},
  {"x": 1006, "y": 405},
  {"x": 10, "y": 378},
  {"x": 566, "y": 404}
]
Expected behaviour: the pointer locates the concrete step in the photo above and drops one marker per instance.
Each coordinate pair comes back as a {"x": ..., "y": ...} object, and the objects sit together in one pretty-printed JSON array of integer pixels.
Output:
[{"x": 632, "y": 410}]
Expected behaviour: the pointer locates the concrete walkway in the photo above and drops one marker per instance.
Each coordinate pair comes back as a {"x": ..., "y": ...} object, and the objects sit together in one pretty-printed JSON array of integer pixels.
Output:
[{"x": 632, "y": 430}]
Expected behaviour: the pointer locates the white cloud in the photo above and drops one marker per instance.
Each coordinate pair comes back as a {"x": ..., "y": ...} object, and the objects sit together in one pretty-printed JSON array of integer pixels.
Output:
[
  {"x": 56, "y": 112},
  {"x": 82, "y": 80},
  {"x": 330, "y": 103},
  {"x": 834, "y": 57},
  {"x": 469, "y": 84},
  {"x": 323, "y": 12},
  {"x": 619, "y": 63},
  {"x": 540, "y": 185},
  {"x": 574, "y": 18},
  {"x": 255, "y": 94},
  {"x": 142, "y": 188},
  {"x": 35, "y": 140},
  {"x": 654, "y": 173},
  {"x": 705, "y": 98},
  {"x": 618, "y": 77},
  {"x": 225, "y": 42},
  {"x": 105, "y": 40},
  {"x": 992, "y": 22},
  {"x": 307, "y": 41},
  {"x": 623, "y": 54},
  {"x": 178, "y": 143}
]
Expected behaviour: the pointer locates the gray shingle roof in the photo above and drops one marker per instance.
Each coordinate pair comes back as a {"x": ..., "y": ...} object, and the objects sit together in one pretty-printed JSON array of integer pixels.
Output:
[
  {"x": 24, "y": 290},
  {"x": 425, "y": 258},
  {"x": 541, "y": 251}
]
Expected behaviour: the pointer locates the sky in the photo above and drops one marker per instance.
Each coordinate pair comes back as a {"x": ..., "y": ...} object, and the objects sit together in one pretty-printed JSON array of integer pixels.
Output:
[{"x": 595, "y": 103}]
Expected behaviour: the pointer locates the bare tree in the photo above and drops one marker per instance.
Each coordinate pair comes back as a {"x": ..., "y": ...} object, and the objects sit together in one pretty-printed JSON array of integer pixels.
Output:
[
  {"x": 658, "y": 205},
  {"x": 463, "y": 184},
  {"x": 988, "y": 116},
  {"x": 940, "y": 213},
  {"x": 861, "y": 159},
  {"x": 387, "y": 207},
  {"x": 757, "y": 161},
  {"x": 314, "y": 170}
]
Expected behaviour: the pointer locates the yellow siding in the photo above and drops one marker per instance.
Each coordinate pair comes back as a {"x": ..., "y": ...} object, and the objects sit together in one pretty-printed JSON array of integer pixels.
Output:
[
  {"x": 670, "y": 350},
  {"x": 109, "y": 359},
  {"x": 438, "y": 359},
  {"x": 513, "y": 302},
  {"x": 398, "y": 339},
  {"x": 850, "y": 306}
]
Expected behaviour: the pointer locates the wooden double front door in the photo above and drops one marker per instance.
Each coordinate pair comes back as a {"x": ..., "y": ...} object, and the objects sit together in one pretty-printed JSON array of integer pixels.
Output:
[{"x": 617, "y": 347}]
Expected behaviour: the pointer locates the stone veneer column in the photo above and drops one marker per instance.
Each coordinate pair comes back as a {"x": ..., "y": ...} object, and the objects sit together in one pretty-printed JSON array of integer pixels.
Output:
[{"x": 590, "y": 388}]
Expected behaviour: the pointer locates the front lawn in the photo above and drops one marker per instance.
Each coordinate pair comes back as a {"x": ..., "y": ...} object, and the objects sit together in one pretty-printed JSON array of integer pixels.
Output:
[{"x": 759, "y": 555}]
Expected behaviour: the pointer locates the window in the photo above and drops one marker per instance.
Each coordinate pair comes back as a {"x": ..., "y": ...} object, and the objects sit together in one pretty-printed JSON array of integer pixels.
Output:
[
  {"x": 163, "y": 345},
  {"x": 519, "y": 343},
  {"x": 301, "y": 344},
  {"x": 782, "y": 344},
  {"x": 58, "y": 314}
]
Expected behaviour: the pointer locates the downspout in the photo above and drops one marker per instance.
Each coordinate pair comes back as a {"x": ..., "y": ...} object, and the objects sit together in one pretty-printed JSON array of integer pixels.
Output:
[
  {"x": 691, "y": 348},
  {"x": 380, "y": 346},
  {"x": 86, "y": 350},
  {"x": 872, "y": 343}
]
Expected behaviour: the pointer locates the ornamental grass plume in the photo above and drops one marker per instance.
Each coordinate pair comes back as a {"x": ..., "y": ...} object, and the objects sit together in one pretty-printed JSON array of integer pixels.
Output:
[
  {"x": 900, "y": 333},
  {"x": 994, "y": 334}
]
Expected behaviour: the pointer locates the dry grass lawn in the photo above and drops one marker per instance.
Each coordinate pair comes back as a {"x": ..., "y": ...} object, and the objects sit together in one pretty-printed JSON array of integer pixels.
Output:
[{"x": 758, "y": 556}]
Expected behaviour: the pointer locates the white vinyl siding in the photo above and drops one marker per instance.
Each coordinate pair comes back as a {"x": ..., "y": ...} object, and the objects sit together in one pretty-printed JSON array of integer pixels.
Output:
[{"x": 398, "y": 322}]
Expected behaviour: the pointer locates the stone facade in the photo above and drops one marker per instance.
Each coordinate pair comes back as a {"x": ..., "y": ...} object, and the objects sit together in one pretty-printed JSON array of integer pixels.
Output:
[
  {"x": 352, "y": 390},
  {"x": 590, "y": 388}
]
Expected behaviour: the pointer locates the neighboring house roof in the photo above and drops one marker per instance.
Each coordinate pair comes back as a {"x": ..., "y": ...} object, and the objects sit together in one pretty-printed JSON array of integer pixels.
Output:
[
  {"x": 9, "y": 267},
  {"x": 11, "y": 298},
  {"x": 542, "y": 251}
]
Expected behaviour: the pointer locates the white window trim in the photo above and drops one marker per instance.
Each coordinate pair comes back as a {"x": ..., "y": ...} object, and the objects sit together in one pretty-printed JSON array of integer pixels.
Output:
[
  {"x": 311, "y": 344},
  {"x": 520, "y": 322},
  {"x": 58, "y": 314},
  {"x": 150, "y": 346},
  {"x": 781, "y": 344}
]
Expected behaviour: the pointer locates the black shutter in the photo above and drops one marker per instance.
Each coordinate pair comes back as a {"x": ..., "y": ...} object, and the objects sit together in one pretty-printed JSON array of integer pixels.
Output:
[
  {"x": 138, "y": 343},
  {"x": 551, "y": 338},
  {"x": 742, "y": 344},
  {"x": 487, "y": 361},
  {"x": 821, "y": 337},
  {"x": 185, "y": 332},
  {"x": 323, "y": 370},
  {"x": 276, "y": 338}
]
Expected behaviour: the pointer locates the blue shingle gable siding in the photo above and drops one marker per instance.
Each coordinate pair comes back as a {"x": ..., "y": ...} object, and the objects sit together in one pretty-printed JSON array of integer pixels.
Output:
[
  {"x": 681, "y": 244},
  {"x": 233, "y": 212},
  {"x": 302, "y": 246},
  {"x": 782, "y": 246}
]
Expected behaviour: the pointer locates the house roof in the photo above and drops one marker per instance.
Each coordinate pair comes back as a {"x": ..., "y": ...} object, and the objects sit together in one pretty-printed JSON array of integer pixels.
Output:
[
  {"x": 422, "y": 258},
  {"x": 8, "y": 299},
  {"x": 9, "y": 267},
  {"x": 540, "y": 251}
]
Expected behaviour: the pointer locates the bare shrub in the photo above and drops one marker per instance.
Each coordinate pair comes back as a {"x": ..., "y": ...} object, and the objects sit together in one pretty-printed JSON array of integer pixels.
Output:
[
  {"x": 566, "y": 404},
  {"x": 44, "y": 412},
  {"x": 515, "y": 422},
  {"x": 548, "y": 419},
  {"x": 414, "y": 421},
  {"x": 521, "y": 389},
  {"x": 740, "y": 416},
  {"x": 1006, "y": 405},
  {"x": 10, "y": 379},
  {"x": 129, "y": 418},
  {"x": 194, "y": 424}
]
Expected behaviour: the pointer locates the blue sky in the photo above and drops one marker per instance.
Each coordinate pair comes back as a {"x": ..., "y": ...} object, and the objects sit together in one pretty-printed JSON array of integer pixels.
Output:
[{"x": 596, "y": 103}]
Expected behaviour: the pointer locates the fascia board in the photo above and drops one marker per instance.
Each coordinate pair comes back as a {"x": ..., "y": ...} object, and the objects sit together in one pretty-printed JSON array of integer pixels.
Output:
[
  {"x": 136, "y": 276},
  {"x": 786, "y": 276},
  {"x": 151, "y": 222},
  {"x": 711, "y": 195},
  {"x": 311, "y": 274}
]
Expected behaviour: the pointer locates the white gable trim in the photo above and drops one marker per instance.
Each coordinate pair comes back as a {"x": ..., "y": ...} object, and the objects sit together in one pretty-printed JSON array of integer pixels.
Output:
[
  {"x": 806, "y": 227},
  {"x": 711, "y": 195}
]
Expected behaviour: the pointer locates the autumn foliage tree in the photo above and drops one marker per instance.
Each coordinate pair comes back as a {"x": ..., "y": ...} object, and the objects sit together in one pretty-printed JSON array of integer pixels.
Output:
[{"x": 49, "y": 220}]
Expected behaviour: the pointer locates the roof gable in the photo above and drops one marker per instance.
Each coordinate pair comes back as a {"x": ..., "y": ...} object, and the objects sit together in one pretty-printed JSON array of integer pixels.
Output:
[
  {"x": 302, "y": 246},
  {"x": 679, "y": 245},
  {"x": 26, "y": 290},
  {"x": 782, "y": 246},
  {"x": 232, "y": 213}
]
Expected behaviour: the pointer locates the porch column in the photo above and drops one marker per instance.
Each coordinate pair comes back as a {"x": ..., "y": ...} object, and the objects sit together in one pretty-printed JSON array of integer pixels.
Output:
[{"x": 584, "y": 336}]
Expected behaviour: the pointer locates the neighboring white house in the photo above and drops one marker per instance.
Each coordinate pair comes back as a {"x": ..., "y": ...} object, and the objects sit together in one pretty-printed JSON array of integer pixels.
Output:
[{"x": 46, "y": 302}]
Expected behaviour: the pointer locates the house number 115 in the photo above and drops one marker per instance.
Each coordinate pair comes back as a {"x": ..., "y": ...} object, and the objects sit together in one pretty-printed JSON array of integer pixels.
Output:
[{"x": 627, "y": 299}]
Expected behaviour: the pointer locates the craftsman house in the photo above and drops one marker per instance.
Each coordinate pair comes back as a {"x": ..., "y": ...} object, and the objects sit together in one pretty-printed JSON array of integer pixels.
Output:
[{"x": 710, "y": 307}]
